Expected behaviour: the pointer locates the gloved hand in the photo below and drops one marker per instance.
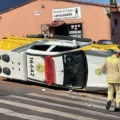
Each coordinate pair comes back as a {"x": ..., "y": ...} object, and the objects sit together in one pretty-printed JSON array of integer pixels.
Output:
[{"x": 98, "y": 72}]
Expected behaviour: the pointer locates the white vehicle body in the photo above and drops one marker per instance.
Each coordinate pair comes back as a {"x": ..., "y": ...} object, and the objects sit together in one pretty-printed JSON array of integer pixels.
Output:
[
  {"x": 15, "y": 67},
  {"x": 71, "y": 69},
  {"x": 88, "y": 77}
]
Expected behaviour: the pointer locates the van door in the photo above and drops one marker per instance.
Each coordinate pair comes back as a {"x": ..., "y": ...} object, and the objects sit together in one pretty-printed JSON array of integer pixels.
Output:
[
  {"x": 35, "y": 66},
  {"x": 75, "y": 69},
  {"x": 35, "y": 63}
]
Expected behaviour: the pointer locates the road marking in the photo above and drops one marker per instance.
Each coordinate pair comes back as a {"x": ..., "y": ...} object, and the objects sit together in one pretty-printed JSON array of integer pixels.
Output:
[
  {"x": 20, "y": 115},
  {"x": 45, "y": 110},
  {"x": 91, "y": 112},
  {"x": 98, "y": 100},
  {"x": 67, "y": 101}
]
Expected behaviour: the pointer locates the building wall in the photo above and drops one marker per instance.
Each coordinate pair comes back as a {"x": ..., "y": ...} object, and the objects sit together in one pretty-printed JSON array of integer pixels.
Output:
[
  {"x": 115, "y": 27},
  {"x": 22, "y": 21}
]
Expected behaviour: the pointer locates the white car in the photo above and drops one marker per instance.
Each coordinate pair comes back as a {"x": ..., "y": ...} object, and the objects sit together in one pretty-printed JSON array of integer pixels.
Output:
[{"x": 57, "y": 63}]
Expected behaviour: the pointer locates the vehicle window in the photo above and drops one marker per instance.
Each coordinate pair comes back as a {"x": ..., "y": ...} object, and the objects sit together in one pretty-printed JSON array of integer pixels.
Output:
[
  {"x": 75, "y": 69},
  {"x": 107, "y": 42},
  {"x": 100, "y": 53},
  {"x": 40, "y": 47},
  {"x": 61, "y": 48}
]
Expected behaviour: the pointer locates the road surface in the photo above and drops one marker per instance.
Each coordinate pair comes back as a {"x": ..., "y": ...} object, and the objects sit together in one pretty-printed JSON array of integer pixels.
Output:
[{"x": 21, "y": 101}]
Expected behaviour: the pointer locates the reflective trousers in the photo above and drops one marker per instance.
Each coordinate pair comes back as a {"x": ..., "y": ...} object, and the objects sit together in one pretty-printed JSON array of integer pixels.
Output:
[{"x": 112, "y": 88}]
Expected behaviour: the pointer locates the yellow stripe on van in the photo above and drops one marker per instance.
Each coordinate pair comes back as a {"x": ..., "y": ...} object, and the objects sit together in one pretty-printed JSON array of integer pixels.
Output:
[
  {"x": 98, "y": 47},
  {"x": 12, "y": 42}
]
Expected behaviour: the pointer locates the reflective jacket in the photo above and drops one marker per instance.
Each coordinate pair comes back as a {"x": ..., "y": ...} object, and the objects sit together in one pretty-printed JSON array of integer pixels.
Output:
[{"x": 112, "y": 66}]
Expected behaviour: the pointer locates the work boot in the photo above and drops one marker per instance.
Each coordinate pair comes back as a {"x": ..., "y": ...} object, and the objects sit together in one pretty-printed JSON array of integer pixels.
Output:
[
  {"x": 117, "y": 107},
  {"x": 117, "y": 110},
  {"x": 108, "y": 105}
]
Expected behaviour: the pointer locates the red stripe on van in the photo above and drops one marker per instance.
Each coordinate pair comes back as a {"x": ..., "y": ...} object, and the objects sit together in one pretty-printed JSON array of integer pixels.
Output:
[{"x": 49, "y": 70}]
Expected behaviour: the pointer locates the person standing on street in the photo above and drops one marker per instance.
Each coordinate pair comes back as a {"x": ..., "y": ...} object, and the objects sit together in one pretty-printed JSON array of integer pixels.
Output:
[
  {"x": 112, "y": 67},
  {"x": 45, "y": 31}
]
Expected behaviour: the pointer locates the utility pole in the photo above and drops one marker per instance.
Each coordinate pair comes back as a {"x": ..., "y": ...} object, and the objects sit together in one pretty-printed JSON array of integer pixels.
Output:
[{"x": 113, "y": 2}]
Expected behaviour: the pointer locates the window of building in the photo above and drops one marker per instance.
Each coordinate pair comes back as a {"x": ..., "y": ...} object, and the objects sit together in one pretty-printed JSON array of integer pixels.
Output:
[
  {"x": 116, "y": 22},
  {"x": 75, "y": 30},
  {"x": 113, "y": 32}
]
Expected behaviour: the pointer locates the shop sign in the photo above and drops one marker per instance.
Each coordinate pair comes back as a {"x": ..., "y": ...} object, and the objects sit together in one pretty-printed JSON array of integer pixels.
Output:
[
  {"x": 75, "y": 30},
  {"x": 66, "y": 13}
]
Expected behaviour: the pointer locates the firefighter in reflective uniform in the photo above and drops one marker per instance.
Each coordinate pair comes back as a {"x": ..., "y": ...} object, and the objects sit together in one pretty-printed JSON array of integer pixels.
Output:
[{"x": 112, "y": 67}]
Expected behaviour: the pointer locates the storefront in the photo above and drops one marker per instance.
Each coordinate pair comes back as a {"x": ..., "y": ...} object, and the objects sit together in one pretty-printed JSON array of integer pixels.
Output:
[
  {"x": 64, "y": 29},
  {"x": 79, "y": 19}
]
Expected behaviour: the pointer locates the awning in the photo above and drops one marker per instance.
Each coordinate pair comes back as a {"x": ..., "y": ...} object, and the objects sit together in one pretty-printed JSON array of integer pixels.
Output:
[{"x": 57, "y": 23}]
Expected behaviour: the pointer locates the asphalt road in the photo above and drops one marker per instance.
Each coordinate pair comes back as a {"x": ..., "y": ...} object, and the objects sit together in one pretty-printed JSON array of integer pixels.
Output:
[{"x": 22, "y": 101}]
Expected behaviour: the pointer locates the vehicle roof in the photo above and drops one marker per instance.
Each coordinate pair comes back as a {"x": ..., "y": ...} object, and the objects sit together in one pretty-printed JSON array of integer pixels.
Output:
[
  {"x": 65, "y": 43},
  {"x": 54, "y": 42}
]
